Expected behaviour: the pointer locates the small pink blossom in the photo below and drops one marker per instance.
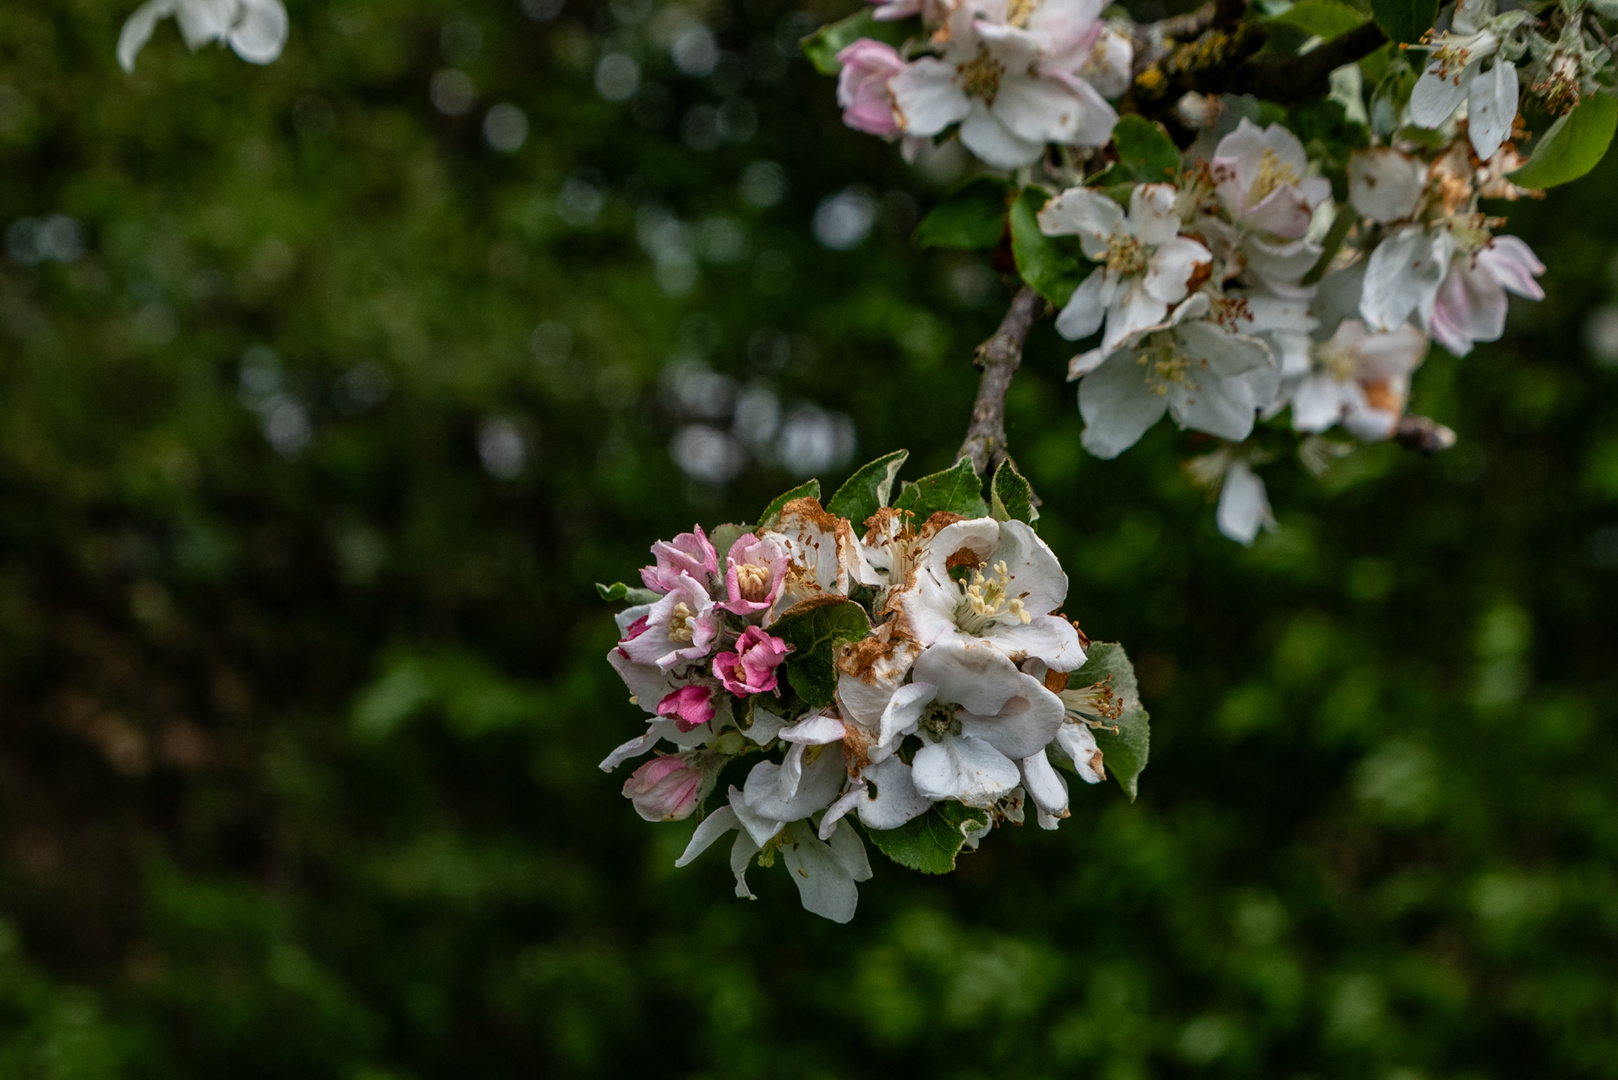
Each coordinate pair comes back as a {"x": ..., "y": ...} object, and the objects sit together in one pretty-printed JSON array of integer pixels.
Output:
[
  {"x": 1471, "y": 303},
  {"x": 751, "y": 668},
  {"x": 862, "y": 86},
  {"x": 688, "y": 553},
  {"x": 691, "y": 706},
  {"x": 669, "y": 788},
  {"x": 756, "y": 569}
]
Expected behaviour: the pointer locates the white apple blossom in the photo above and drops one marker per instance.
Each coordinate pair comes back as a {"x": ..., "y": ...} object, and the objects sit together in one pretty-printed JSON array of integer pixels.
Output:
[
  {"x": 822, "y": 555},
  {"x": 1262, "y": 178},
  {"x": 1450, "y": 279},
  {"x": 1010, "y": 79},
  {"x": 1187, "y": 366},
  {"x": 979, "y": 718},
  {"x": 1455, "y": 76},
  {"x": 1011, "y": 583},
  {"x": 1471, "y": 303},
  {"x": 1358, "y": 379},
  {"x": 1146, "y": 265},
  {"x": 256, "y": 30}
]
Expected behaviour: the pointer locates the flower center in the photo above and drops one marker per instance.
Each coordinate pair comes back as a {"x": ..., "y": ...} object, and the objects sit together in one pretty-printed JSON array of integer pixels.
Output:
[
  {"x": 1165, "y": 363},
  {"x": 753, "y": 582},
  {"x": 1020, "y": 11},
  {"x": 986, "y": 599},
  {"x": 682, "y": 622},
  {"x": 1272, "y": 173},
  {"x": 938, "y": 720},
  {"x": 1125, "y": 254},
  {"x": 980, "y": 76},
  {"x": 1336, "y": 360},
  {"x": 1096, "y": 700}
]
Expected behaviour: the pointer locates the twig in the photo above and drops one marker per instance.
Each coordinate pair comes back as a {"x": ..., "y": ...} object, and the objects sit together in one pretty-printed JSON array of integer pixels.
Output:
[
  {"x": 999, "y": 357},
  {"x": 1287, "y": 80},
  {"x": 1154, "y": 41},
  {"x": 1424, "y": 435}
]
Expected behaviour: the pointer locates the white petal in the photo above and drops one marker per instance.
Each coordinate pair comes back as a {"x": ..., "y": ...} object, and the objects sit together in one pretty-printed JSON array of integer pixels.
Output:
[
  {"x": 1491, "y": 107},
  {"x": 1087, "y": 307},
  {"x": 896, "y": 800},
  {"x": 902, "y": 714},
  {"x": 1243, "y": 506},
  {"x": 1172, "y": 267},
  {"x": 963, "y": 768},
  {"x": 767, "y": 796},
  {"x": 1317, "y": 404},
  {"x": 137, "y": 30},
  {"x": 1402, "y": 277},
  {"x": 1023, "y": 724},
  {"x": 633, "y": 748},
  {"x": 1036, "y": 573},
  {"x": 816, "y": 730},
  {"x": 1391, "y": 356},
  {"x": 1045, "y": 786},
  {"x": 1213, "y": 349},
  {"x": 741, "y": 856},
  {"x": 1118, "y": 405},
  {"x": 1047, "y": 637},
  {"x": 1152, "y": 217},
  {"x": 845, "y": 844},
  {"x": 824, "y": 883},
  {"x": 926, "y": 99},
  {"x": 1471, "y": 307},
  {"x": 1435, "y": 98},
  {"x": 204, "y": 21},
  {"x": 1514, "y": 265},
  {"x": 260, "y": 32},
  {"x": 1079, "y": 743},
  {"x": 709, "y": 829},
  {"x": 976, "y": 676},
  {"x": 995, "y": 143},
  {"x": 1133, "y": 311},
  {"x": 1089, "y": 215},
  {"x": 762, "y": 829},
  {"x": 1384, "y": 184},
  {"x": 1036, "y": 110},
  {"x": 1220, "y": 406}
]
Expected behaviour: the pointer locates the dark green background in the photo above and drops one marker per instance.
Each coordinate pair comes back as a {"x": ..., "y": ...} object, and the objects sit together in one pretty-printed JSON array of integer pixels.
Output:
[{"x": 297, "y": 752}]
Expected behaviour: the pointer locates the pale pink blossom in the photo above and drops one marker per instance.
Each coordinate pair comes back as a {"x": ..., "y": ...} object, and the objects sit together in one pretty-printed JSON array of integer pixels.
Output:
[
  {"x": 688, "y": 553},
  {"x": 862, "y": 86},
  {"x": 755, "y": 570},
  {"x": 681, "y": 626},
  {"x": 669, "y": 788},
  {"x": 750, "y": 669},
  {"x": 1471, "y": 303},
  {"x": 1261, "y": 175}
]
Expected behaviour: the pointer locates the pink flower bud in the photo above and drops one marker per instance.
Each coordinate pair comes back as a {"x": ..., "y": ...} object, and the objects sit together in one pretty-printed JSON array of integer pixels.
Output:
[
  {"x": 751, "y": 668},
  {"x": 691, "y": 706},
  {"x": 862, "y": 86},
  {"x": 669, "y": 788},
  {"x": 755, "y": 571},
  {"x": 688, "y": 553}
]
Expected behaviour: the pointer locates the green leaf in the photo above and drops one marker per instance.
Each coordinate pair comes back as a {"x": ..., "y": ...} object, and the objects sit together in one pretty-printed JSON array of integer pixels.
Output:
[
  {"x": 956, "y": 490},
  {"x": 1321, "y": 18},
  {"x": 619, "y": 591},
  {"x": 822, "y": 46},
  {"x": 1145, "y": 151},
  {"x": 815, "y": 629},
  {"x": 970, "y": 217},
  {"x": 1043, "y": 265},
  {"x": 1010, "y": 497},
  {"x": 931, "y": 842},
  {"x": 809, "y": 489},
  {"x": 1326, "y": 122},
  {"x": 867, "y": 491},
  {"x": 1572, "y": 146},
  {"x": 1391, "y": 96},
  {"x": 1124, "y": 734},
  {"x": 1405, "y": 20}
]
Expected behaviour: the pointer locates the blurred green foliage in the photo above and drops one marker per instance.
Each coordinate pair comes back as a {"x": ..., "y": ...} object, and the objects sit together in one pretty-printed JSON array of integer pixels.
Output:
[{"x": 308, "y": 461}]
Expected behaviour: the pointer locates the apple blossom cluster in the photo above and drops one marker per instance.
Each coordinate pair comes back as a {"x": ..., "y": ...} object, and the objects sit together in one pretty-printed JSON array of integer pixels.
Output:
[
  {"x": 915, "y": 674},
  {"x": 1263, "y": 268}
]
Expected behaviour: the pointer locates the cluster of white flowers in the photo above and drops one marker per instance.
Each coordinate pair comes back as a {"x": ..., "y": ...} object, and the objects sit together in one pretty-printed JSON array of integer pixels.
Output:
[
  {"x": 943, "y": 690},
  {"x": 1014, "y": 75},
  {"x": 1237, "y": 287},
  {"x": 256, "y": 30}
]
